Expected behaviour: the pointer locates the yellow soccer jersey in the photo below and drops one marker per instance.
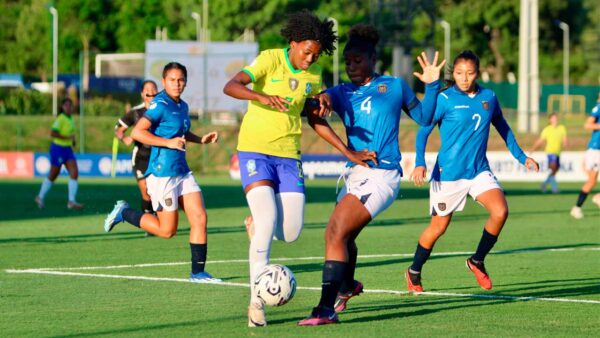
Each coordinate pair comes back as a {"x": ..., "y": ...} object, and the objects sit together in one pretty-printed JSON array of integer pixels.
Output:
[
  {"x": 554, "y": 137},
  {"x": 65, "y": 126},
  {"x": 267, "y": 130}
]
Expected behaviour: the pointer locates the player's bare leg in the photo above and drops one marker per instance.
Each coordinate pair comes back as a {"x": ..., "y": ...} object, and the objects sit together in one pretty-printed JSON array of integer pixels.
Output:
[
  {"x": 73, "y": 185},
  {"x": 46, "y": 185},
  {"x": 587, "y": 187}
]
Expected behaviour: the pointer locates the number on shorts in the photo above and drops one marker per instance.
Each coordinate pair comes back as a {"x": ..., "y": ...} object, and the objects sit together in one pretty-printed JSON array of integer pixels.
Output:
[
  {"x": 478, "y": 120},
  {"x": 366, "y": 105}
]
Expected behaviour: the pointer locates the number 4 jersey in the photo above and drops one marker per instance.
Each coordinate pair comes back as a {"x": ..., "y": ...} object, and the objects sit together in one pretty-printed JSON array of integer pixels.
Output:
[
  {"x": 371, "y": 115},
  {"x": 464, "y": 121}
]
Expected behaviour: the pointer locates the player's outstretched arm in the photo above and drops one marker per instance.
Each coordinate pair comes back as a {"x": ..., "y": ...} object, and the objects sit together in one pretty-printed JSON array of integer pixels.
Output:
[
  {"x": 236, "y": 88},
  {"x": 210, "y": 137}
]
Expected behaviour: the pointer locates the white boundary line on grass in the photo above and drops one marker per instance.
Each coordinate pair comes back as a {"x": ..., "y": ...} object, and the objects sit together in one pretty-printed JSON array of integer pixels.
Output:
[
  {"x": 54, "y": 271},
  {"x": 395, "y": 292},
  {"x": 309, "y": 258}
]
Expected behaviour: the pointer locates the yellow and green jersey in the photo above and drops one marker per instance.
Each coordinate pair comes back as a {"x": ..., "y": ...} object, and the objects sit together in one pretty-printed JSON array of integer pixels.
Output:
[
  {"x": 65, "y": 126},
  {"x": 267, "y": 130},
  {"x": 554, "y": 137}
]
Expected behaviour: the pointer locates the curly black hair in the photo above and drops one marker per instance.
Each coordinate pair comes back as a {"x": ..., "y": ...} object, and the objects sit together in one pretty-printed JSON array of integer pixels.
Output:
[
  {"x": 304, "y": 25},
  {"x": 362, "y": 38}
]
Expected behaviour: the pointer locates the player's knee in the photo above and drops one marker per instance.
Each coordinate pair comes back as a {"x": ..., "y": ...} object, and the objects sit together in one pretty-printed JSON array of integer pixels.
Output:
[
  {"x": 438, "y": 229},
  {"x": 335, "y": 232},
  {"x": 500, "y": 213}
]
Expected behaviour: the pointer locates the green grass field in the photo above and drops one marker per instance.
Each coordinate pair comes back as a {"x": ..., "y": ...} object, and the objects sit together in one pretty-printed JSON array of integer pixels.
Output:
[{"x": 62, "y": 276}]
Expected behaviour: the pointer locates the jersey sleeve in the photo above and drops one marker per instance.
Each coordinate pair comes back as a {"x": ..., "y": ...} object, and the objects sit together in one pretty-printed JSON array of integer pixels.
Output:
[
  {"x": 126, "y": 120},
  {"x": 420, "y": 112},
  {"x": 334, "y": 95},
  {"x": 507, "y": 134},
  {"x": 155, "y": 111},
  {"x": 544, "y": 134},
  {"x": 260, "y": 67},
  {"x": 421, "y": 143}
]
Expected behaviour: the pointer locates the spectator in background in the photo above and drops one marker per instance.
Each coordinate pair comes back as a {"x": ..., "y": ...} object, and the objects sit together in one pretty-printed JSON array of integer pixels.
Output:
[{"x": 61, "y": 152}]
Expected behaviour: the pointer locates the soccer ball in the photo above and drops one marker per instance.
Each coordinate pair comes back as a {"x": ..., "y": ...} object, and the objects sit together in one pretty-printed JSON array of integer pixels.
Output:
[{"x": 275, "y": 285}]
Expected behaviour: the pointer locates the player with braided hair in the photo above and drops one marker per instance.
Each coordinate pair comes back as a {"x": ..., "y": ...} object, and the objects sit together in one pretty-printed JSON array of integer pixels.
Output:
[
  {"x": 370, "y": 108},
  {"x": 269, "y": 138}
]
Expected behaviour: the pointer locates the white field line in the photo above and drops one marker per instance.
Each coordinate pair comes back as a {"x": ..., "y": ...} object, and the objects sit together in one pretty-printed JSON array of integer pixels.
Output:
[
  {"x": 395, "y": 292},
  {"x": 310, "y": 258}
]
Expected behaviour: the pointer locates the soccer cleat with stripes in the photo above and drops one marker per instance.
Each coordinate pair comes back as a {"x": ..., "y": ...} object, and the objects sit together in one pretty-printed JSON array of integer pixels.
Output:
[
  {"x": 115, "y": 216},
  {"x": 320, "y": 316},
  {"x": 342, "y": 298},
  {"x": 413, "y": 281},
  {"x": 204, "y": 277},
  {"x": 478, "y": 268}
]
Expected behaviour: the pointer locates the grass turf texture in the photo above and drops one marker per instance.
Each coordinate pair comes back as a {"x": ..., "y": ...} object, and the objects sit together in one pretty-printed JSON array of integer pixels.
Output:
[{"x": 34, "y": 304}]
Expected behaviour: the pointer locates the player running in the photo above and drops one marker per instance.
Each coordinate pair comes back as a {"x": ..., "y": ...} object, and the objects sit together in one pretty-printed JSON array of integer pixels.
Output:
[
  {"x": 591, "y": 162},
  {"x": 166, "y": 127},
  {"x": 141, "y": 152},
  {"x": 370, "y": 108},
  {"x": 61, "y": 153},
  {"x": 555, "y": 136},
  {"x": 269, "y": 138},
  {"x": 464, "y": 113}
]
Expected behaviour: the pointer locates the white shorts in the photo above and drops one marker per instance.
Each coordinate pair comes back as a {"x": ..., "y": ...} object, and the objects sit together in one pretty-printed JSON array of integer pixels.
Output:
[
  {"x": 446, "y": 197},
  {"x": 375, "y": 188},
  {"x": 592, "y": 160},
  {"x": 165, "y": 191}
]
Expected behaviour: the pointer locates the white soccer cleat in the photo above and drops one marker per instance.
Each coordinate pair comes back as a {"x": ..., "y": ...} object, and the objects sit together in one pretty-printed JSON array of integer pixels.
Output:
[
  {"x": 596, "y": 199},
  {"x": 576, "y": 212},
  {"x": 115, "y": 216},
  {"x": 256, "y": 315},
  {"x": 39, "y": 201},
  {"x": 204, "y": 277}
]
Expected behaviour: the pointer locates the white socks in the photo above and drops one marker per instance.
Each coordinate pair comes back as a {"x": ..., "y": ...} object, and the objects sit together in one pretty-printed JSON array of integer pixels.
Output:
[
  {"x": 261, "y": 201},
  {"x": 290, "y": 209},
  {"x": 72, "y": 189},
  {"x": 46, "y": 185}
]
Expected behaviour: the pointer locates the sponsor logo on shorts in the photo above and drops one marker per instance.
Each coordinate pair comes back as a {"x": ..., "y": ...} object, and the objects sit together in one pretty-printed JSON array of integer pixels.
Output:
[
  {"x": 363, "y": 182},
  {"x": 139, "y": 174},
  {"x": 251, "y": 167},
  {"x": 169, "y": 202},
  {"x": 442, "y": 206}
]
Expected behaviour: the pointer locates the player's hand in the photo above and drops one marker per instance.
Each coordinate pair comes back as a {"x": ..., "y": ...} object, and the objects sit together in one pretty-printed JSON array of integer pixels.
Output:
[
  {"x": 431, "y": 71},
  {"x": 532, "y": 165},
  {"x": 361, "y": 157},
  {"x": 176, "y": 143},
  {"x": 127, "y": 140},
  {"x": 211, "y": 137},
  {"x": 324, "y": 105},
  {"x": 274, "y": 101},
  {"x": 418, "y": 175}
]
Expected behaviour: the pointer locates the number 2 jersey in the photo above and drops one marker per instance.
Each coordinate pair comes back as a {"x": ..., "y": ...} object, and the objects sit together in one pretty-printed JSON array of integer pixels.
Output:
[
  {"x": 464, "y": 121},
  {"x": 371, "y": 115}
]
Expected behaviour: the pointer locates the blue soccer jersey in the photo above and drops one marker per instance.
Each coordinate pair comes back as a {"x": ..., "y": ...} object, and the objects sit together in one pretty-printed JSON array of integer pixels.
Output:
[
  {"x": 595, "y": 140},
  {"x": 464, "y": 121},
  {"x": 169, "y": 119},
  {"x": 371, "y": 115}
]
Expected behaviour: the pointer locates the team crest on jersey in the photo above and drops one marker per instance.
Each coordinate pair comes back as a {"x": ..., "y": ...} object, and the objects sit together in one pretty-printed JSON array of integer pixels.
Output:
[
  {"x": 251, "y": 167},
  {"x": 308, "y": 88},
  {"x": 382, "y": 88},
  {"x": 485, "y": 105},
  {"x": 442, "y": 206},
  {"x": 293, "y": 83}
]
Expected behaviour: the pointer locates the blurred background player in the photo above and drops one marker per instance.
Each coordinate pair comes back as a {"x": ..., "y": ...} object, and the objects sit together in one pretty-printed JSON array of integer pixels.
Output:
[
  {"x": 61, "y": 152},
  {"x": 141, "y": 152},
  {"x": 591, "y": 162},
  {"x": 464, "y": 113},
  {"x": 166, "y": 127},
  {"x": 555, "y": 136},
  {"x": 269, "y": 138},
  {"x": 370, "y": 108}
]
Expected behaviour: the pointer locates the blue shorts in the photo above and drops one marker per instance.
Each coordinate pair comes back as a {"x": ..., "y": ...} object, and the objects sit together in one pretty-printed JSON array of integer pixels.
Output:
[
  {"x": 285, "y": 173},
  {"x": 60, "y": 155},
  {"x": 553, "y": 158}
]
